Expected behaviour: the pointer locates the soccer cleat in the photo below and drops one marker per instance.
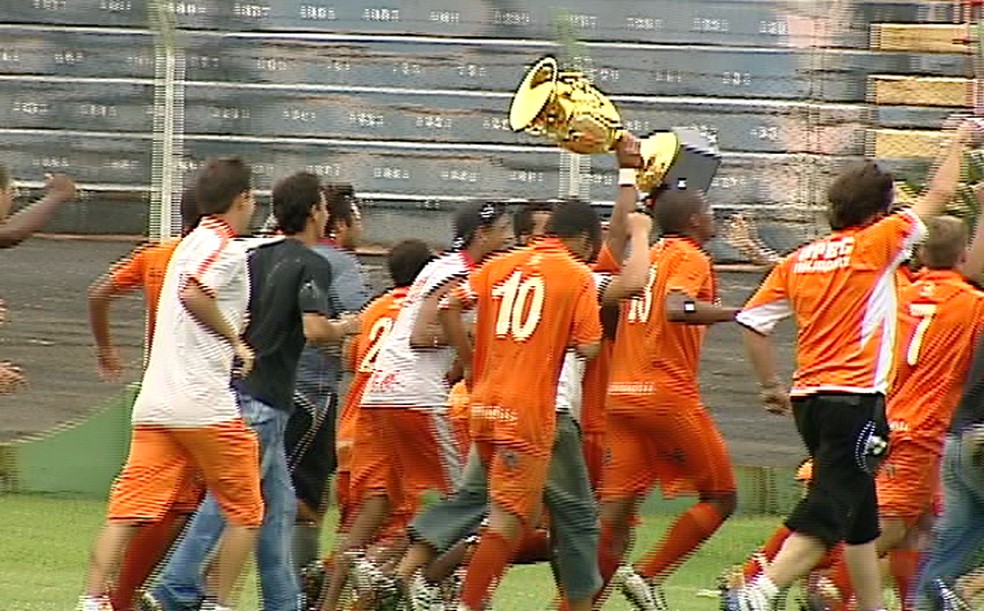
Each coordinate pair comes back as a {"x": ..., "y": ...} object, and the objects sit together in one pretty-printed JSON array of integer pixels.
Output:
[
  {"x": 948, "y": 598},
  {"x": 373, "y": 584},
  {"x": 425, "y": 596},
  {"x": 642, "y": 595},
  {"x": 147, "y": 602},
  {"x": 313, "y": 579}
]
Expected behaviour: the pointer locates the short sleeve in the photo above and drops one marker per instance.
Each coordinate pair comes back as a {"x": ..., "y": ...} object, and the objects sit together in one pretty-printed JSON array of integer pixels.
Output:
[
  {"x": 128, "y": 275},
  {"x": 587, "y": 317},
  {"x": 315, "y": 287},
  {"x": 770, "y": 303},
  {"x": 466, "y": 292},
  {"x": 606, "y": 261},
  {"x": 891, "y": 240},
  {"x": 348, "y": 288},
  {"x": 689, "y": 275}
]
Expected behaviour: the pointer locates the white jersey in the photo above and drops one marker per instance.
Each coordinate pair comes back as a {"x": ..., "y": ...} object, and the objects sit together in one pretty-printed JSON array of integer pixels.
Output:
[
  {"x": 407, "y": 377},
  {"x": 570, "y": 384},
  {"x": 188, "y": 376}
]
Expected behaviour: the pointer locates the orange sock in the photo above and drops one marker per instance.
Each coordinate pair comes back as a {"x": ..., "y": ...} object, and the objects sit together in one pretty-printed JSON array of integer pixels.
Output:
[
  {"x": 485, "y": 569},
  {"x": 840, "y": 576},
  {"x": 534, "y": 547},
  {"x": 769, "y": 550},
  {"x": 690, "y": 530},
  {"x": 904, "y": 564},
  {"x": 830, "y": 557},
  {"x": 146, "y": 550}
]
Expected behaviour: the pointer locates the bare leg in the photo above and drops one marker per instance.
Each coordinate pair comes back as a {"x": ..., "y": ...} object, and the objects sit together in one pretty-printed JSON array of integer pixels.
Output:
[
  {"x": 238, "y": 542},
  {"x": 371, "y": 516},
  {"x": 107, "y": 554}
]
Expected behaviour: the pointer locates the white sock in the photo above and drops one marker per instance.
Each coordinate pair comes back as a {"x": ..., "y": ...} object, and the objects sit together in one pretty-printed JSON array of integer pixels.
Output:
[{"x": 766, "y": 586}]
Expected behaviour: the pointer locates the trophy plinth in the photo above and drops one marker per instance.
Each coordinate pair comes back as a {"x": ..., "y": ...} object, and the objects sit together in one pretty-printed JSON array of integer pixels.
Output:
[{"x": 565, "y": 107}]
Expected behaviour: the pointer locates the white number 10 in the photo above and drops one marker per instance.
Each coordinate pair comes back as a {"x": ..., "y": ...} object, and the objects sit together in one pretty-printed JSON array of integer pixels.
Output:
[{"x": 514, "y": 294}]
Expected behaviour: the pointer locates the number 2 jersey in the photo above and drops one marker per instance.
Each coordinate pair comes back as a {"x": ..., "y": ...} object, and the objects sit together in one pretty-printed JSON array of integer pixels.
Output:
[{"x": 377, "y": 321}]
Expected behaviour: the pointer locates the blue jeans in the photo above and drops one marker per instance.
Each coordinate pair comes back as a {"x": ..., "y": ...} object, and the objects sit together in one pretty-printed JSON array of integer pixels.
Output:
[
  {"x": 181, "y": 586},
  {"x": 959, "y": 534}
]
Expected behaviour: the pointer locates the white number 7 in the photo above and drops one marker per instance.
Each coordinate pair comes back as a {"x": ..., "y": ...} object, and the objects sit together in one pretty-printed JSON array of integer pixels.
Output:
[{"x": 924, "y": 312}]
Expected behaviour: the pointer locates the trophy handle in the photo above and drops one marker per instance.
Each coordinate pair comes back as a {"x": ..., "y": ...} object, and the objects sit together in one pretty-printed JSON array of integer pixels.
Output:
[
  {"x": 658, "y": 152},
  {"x": 533, "y": 94}
]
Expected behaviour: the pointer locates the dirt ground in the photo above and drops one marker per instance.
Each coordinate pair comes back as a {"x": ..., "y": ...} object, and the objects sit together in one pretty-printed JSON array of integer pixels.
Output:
[{"x": 44, "y": 284}]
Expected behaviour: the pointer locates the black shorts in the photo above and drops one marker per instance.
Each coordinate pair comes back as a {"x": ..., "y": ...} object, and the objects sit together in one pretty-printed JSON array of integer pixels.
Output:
[
  {"x": 310, "y": 445},
  {"x": 841, "y": 433}
]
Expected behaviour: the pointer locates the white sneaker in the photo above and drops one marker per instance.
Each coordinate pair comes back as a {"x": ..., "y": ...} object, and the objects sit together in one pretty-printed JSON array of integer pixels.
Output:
[
  {"x": 424, "y": 596},
  {"x": 641, "y": 594},
  {"x": 94, "y": 603}
]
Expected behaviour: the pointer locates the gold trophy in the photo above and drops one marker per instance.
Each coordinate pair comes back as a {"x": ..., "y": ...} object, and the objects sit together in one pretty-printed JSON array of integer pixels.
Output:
[{"x": 565, "y": 107}]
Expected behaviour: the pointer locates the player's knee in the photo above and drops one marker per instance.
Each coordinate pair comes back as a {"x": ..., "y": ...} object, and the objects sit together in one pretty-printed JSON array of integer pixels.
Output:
[{"x": 725, "y": 503}]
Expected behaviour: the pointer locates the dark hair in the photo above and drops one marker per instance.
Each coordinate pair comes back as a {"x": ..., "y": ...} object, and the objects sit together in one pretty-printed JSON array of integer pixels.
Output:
[
  {"x": 339, "y": 197},
  {"x": 406, "y": 259},
  {"x": 573, "y": 218},
  {"x": 220, "y": 182},
  {"x": 293, "y": 199},
  {"x": 674, "y": 209},
  {"x": 190, "y": 214},
  {"x": 861, "y": 192},
  {"x": 523, "y": 215},
  {"x": 473, "y": 216},
  {"x": 4, "y": 177}
]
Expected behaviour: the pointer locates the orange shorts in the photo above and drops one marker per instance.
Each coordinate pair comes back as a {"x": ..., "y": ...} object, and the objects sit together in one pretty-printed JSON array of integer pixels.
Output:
[
  {"x": 908, "y": 481},
  {"x": 190, "y": 495},
  {"x": 516, "y": 478},
  {"x": 403, "y": 454},
  {"x": 671, "y": 444},
  {"x": 594, "y": 456},
  {"x": 165, "y": 461}
]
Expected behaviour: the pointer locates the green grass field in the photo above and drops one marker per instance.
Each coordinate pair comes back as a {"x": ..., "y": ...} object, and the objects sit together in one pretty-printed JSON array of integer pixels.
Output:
[{"x": 44, "y": 552}]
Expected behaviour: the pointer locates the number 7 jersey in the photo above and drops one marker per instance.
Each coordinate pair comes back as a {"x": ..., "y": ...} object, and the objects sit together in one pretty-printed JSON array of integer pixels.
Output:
[{"x": 941, "y": 317}]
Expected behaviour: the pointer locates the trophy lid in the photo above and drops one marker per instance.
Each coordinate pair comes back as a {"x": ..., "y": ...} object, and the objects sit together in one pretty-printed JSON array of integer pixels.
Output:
[{"x": 533, "y": 93}]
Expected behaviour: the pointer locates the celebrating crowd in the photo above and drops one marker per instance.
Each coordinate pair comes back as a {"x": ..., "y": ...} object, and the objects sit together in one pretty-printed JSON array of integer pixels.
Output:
[{"x": 516, "y": 397}]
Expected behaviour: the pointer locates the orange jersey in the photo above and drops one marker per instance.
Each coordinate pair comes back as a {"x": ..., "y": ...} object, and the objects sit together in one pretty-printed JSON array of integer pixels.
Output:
[
  {"x": 145, "y": 269},
  {"x": 596, "y": 372},
  {"x": 940, "y": 319},
  {"x": 653, "y": 355},
  {"x": 842, "y": 291},
  {"x": 377, "y": 320},
  {"x": 532, "y": 304}
]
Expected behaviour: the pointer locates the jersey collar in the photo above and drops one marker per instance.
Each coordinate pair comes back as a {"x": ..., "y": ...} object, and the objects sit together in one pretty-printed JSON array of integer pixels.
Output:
[{"x": 218, "y": 225}]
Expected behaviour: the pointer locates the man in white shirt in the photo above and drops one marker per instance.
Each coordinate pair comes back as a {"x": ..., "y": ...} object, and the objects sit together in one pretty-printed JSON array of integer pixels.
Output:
[{"x": 186, "y": 417}]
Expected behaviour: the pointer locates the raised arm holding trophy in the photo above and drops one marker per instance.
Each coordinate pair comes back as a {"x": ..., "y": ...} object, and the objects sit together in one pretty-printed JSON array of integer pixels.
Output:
[{"x": 565, "y": 107}]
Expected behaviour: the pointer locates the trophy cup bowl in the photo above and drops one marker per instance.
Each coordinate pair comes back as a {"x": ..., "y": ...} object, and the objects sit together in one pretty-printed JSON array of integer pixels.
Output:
[{"x": 565, "y": 107}]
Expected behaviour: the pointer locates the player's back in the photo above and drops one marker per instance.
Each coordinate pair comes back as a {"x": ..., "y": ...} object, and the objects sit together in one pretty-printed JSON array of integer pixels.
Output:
[
  {"x": 842, "y": 291},
  {"x": 652, "y": 353},
  {"x": 187, "y": 377},
  {"x": 377, "y": 322},
  {"x": 533, "y": 303},
  {"x": 940, "y": 319}
]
